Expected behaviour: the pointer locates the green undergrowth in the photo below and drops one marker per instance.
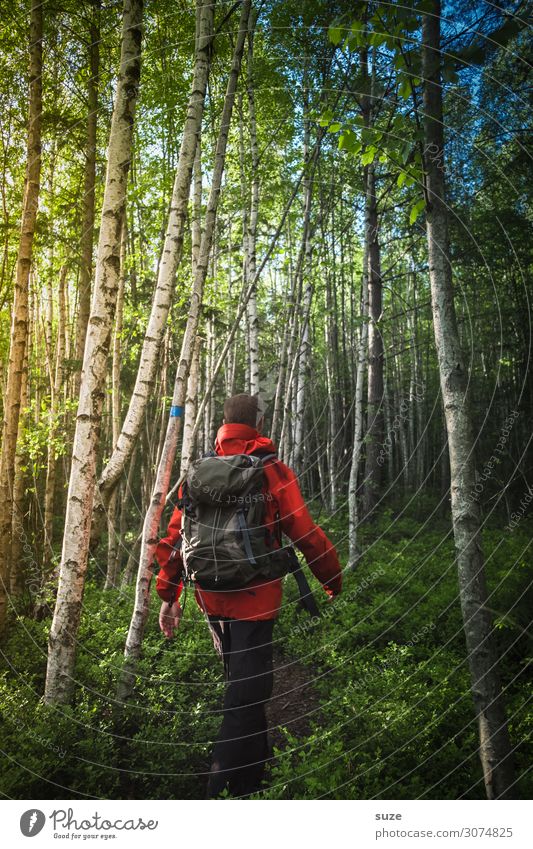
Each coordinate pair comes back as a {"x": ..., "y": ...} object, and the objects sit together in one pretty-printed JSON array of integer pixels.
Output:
[{"x": 386, "y": 658}]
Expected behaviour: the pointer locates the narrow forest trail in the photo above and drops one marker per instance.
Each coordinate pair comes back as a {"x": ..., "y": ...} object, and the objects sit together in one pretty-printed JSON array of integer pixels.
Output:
[{"x": 294, "y": 703}]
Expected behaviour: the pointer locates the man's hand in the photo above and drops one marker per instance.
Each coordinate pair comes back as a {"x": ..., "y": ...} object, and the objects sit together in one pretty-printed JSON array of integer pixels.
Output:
[{"x": 169, "y": 618}]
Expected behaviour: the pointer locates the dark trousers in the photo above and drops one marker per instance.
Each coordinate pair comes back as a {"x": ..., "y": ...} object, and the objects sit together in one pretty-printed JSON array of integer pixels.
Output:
[{"x": 242, "y": 746}]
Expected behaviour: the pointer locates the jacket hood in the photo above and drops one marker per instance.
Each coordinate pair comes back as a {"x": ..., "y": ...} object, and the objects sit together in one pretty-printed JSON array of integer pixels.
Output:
[{"x": 242, "y": 439}]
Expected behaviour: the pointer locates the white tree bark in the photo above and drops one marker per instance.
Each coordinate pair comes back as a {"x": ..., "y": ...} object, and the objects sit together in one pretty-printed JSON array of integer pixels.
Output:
[
  {"x": 362, "y": 355},
  {"x": 170, "y": 259},
  {"x": 191, "y": 403},
  {"x": 74, "y": 556},
  {"x": 55, "y": 389},
  {"x": 495, "y": 747},
  {"x": 164, "y": 470},
  {"x": 113, "y": 538},
  {"x": 251, "y": 241},
  {"x": 87, "y": 200},
  {"x": 304, "y": 350}
]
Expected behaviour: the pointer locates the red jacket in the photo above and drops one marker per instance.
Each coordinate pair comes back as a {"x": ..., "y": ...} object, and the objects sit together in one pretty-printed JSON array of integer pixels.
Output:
[{"x": 259, "y": 599}]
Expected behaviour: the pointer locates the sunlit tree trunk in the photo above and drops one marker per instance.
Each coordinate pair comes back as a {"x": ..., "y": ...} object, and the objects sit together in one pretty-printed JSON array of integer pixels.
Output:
[
  {"x": 171, "y": 255},
  {"x": 362, "y": 355},
  {"x": 87, "y": 201},
  {"x": 191, "y": 405},
  {"x": 374, "y": 434},
  {"x": 495, "y": 748},
  {"x": 251, "y": 249},
  {"x": 113, "y": 539},
  {"x": 161, "y": 486},
  {"x": 19, "y": 322},
  {"x": 55, "y": 390},
  {"x": 304, "y": 348},
  {"x": 19, "y": 537},
  {"x": 74, "y": 556}
]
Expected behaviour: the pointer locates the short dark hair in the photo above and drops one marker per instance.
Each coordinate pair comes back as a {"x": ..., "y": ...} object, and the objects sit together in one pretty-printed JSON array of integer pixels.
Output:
[{"x": 243, "y": 409}]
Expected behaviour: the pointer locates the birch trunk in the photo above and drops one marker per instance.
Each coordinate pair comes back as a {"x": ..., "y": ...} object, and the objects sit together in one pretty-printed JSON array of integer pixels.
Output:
[
  {"x": 55, "y": 389},
  {"x": 19, "y": 486},
  {"x": 303, "y": 352},
  {"x": 495, "y": 748},
  {"x": 374, "y": 434},
  {"x": 74, "y": 556},
  {"x": 164, "y": 471},
  {"x": 87, "y": 215},
  {"x": 330, "y": 333},
  {"x": 187, "y": 448},
  {"x": 19, "y": 323},
  {"x": 362, "y": 354},
  {"x": 251, "y": 247},
  {"x": 170, "y": 259},
  {"x": 113, "y": 538}
]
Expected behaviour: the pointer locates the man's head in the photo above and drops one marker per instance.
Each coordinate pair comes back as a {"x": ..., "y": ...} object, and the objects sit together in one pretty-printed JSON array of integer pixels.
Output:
[{"x": 244, "y": 409}]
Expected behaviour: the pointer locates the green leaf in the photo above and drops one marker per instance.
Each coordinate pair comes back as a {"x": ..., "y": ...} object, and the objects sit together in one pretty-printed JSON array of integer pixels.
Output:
[
  {"x": 406, "y": 150},
  {"x": 376, "y": 38},
  {"x": 368, "y": 155},
  {"x": 335, "y": 35},
  {"x": 405, "y": 89},
  {"x": 334, "y": 128},
  {"x": 325, "y": 118},
  {"x": 348, "y": 142},
  {"x": 402, "y": 177},
  {"x": 399, "y": 62},
  {"x": 416, "y": 210}
]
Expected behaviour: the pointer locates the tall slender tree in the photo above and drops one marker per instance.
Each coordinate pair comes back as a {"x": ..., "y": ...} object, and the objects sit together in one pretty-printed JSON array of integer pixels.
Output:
[
  {"x": 495, "y": 748},
  {"x": 168, "y": 454},
  {"x": 19, "y": 322},
  {"x": 74, "y": 555},
  {"x": 171, "y": 256}
]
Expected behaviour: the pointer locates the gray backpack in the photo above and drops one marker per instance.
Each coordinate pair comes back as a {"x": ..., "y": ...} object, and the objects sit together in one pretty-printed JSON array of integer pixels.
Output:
[{"x": 225, "y": 543}]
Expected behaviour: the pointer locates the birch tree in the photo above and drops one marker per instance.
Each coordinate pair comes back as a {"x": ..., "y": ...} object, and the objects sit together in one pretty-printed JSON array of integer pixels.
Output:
[
  {"x": 362, "y": 354},
  {"x": 19, "y": 322},
  {"x": 164, "y": 471},
  {"x": 88, "y": 198},
  {"x": 171, "y": 256},
  {"x": 74, "y": 555},
  {"x": 495, "y": 748}
]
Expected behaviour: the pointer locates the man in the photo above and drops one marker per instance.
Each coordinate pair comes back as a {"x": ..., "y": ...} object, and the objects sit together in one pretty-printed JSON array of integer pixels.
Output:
[{"x": 242, "y": 621}]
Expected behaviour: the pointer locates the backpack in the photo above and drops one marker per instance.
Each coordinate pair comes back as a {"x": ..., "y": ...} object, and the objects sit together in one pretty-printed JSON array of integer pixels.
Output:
[{"x": 225, "y": 543}]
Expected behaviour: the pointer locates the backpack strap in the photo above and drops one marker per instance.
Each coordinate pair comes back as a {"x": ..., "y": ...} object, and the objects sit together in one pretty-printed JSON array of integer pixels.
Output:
[
  {"x": 246, "y": 536},
  {"x": 307, "y": 599}
]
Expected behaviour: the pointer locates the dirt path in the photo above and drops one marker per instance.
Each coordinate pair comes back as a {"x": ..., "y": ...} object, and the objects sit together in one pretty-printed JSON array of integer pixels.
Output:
[{"x": 294, "y": 703}]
